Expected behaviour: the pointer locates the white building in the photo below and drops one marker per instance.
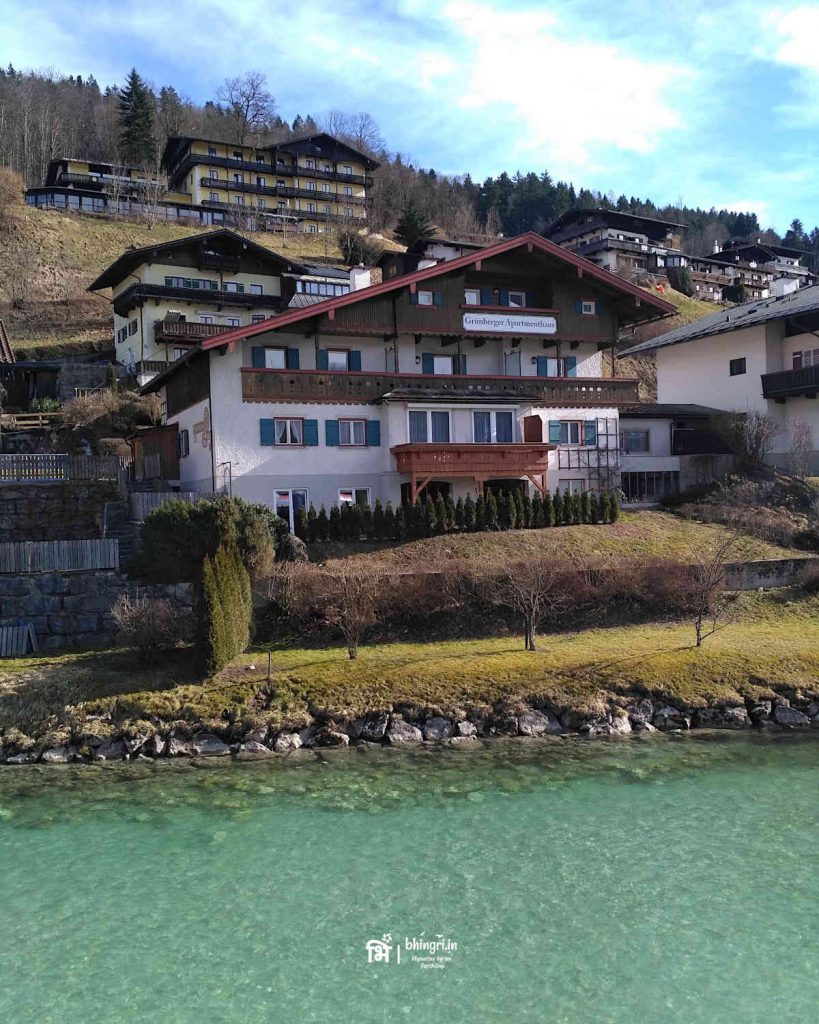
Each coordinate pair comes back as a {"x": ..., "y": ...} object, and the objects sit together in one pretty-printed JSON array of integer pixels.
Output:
[
  {"x": 482, "y": 371},
  {"x": 760, "y": 357}
]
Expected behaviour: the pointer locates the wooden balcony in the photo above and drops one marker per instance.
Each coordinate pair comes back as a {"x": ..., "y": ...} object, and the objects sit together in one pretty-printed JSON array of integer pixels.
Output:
[
  {"x": 803, "y": 382},
  {"x": 358, "y": 388},
  {"x": 480, "y": 462},
  {"x": 181, "y": 332},
  {"x": 139, "y": 294}
]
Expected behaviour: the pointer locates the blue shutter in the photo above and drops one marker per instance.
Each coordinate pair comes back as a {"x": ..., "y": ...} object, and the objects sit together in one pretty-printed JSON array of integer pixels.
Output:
[
  {"x": 373, "y": 433},
  {"x": 437, "y": 299},
  {"x": 355, "y": 360},
  {"x": 598, "y": 307},
  {"x": 590, "y": 432},
  {"x": 543, "y": 366},
  {"x": 331, "y": 433},
  {"x": 257, "y": 358},
  {"x": 571, "y": 366},
  {"x": 292, "y": 359},
  {"x": 459, "y": 364},
  {"x": 504, "y": 296},
  {"x": 427, "y": 363},
  {"x": 487, "y": 298},
  {"x": 578, "y": 306},
  {"x": 267, "y": 432},
  {"x": 323, "y": 359},
  {"x": 531, "y": 302},
  {"x": 554, "y": 431},
  {"x": 414, "y": 298},
  {"x": 311, "y": 433}
]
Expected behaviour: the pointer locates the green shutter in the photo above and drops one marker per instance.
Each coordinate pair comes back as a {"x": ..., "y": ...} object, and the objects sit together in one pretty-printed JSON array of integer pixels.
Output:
[
  {"x": 571, "y": 366},
  {"x": 554, "y": 431},
  {"x": 355, "y": 360},
  {"x": 267, "y": 432},
  {"x": 257, "y": 357},
  {"x": 292, "y": 359},
  {"x": 427, "y": 363},
  {"x": 311, "y": 433},
  {"x": 598, "y": 307},
  {"x": 331, "y": 433},
  {"x": 414, "y": 298},
  {"x": 543, "y": 366},
  {"x": 590, "y": 432},
  {"x": 323, "y": 359},
  {"x": 459, "y": 364},
  {"x": 373, "y": 433},
  {"x": 487, "y": 298}
]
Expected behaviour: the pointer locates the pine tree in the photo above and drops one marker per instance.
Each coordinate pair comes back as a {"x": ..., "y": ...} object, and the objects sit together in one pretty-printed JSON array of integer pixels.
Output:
[
  {"x": 212, "y": 642},
  {"x": 441, "y": 514},
  {"x": 388, "y": 523},
  {"x": 378, "y": 520},
  {"x": 136, "y": 122},
  {"x": 512, "y": 512},
  {"x": 450, "y": 512},
  {"x": 335, "y": 523},
  {"x": 301, "y": 524},
  {"x": 312, "y": 524},
  {"x": 480, "y": 514},
  {"x": 524, "y": 511},
  {"x": 323, "y": 524},
  {"x": 585, "y": 507},
  {"x": 460, "y": 519},
  {"x": 469, "y": 514},
  {"x": 491, "y": 514},
  {"x": 548, "y": 511},
  {"x": 577, "y": 508},
  {"x": 536, "y": 513},
  {"x": 412, "y": 224},
  {"x": 557, "y": 509}
]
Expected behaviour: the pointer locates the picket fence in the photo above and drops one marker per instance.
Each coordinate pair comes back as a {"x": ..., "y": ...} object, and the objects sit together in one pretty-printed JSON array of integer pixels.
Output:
[
  {"x": 141, "y": 503},
  {"x": 56, "y": 467}
]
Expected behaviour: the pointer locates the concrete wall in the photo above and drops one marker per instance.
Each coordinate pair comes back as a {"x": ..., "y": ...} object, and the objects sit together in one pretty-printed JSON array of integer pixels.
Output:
[
  {"x": 59, "y": 511},
  {"x": 769, "y": 573}
]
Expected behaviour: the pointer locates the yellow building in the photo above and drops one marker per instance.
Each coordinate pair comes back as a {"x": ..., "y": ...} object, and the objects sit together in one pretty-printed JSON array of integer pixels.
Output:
[{"x": 316, "y": 180}]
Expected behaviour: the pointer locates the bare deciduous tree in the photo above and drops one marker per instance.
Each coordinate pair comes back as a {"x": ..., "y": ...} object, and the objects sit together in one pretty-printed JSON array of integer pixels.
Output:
[
  {"x": 707, "y": 581},
  {"x": 248, "y": 102},
  {"x": 750, "y": 435},
  {"x": 352, "y": 605},
  {"x": 535, "y": 590},
  {"x": 800, "y": 445}
]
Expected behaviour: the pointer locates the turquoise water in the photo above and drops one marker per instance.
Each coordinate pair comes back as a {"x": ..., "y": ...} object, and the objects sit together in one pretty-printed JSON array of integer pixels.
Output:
[{"x": 637, "y": 882}]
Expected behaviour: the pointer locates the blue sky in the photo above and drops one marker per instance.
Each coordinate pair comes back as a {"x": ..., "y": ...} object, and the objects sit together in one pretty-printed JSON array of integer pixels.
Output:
[{"x": 712, "y": 102}]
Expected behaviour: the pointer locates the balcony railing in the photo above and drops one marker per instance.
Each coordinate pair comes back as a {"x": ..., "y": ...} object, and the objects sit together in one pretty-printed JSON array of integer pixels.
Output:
[
  {"x": 138, "y": 293},
  {"x": 284, "y": 191},
  {"x": 481, "y": 462},
  {"x": 259, "y": 167},
  {"x": 358, "y": 388},
  {"x": 791, "y": 383},
  {"x": 182, "y": 331}
]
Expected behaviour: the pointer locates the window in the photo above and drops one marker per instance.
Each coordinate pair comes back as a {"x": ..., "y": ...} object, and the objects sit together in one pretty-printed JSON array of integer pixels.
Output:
[
  {"x": 122, "y": 334},
  {"x": 492, "y": 427},
  {"x": 425, "y": 298},
  {"x": 233, "y": 321},
  {"x": 179, "y": 352},
  {"x": 262, "y": 204},
  {"x": 325, "y": 207},
  {"x": 214, "y": 197},
  {"x": 442, "y": 364},
  {"x": 260, "y": 181},
  {"x": 311, "y": 229},
  {"x": 191, "y": 282},
  {"x": 255, "y": 289},
  {"x": 239, "y": 200},
  {"x": 288, "y": 504},
  {"x": 649, "y": 486},
  {"x": 233, "y": 286},
  {"x": 472, "y": 297},
  {"x": 347, "y": 190},
  {"x": 354, "y": 496},
  {"x": 204, "y": 319},
  {"x": 211, "y": 151},
  {"x": 347, "y": 169},
  {"x": 239, "y": 179},
  {"x": 736, "y": 367},
  {"x": 237, "y": 154},
  {"x": 183, "y": 445},
  {"x": 311, "y": 207},
  {"x": 325, "y": 186},
  {"x": 280, "y": 183},
  {"x": 258, "y": 318},
  {"x": 808, "y": 357},
  {"x": 311, "y": 186},
  {"x": 588, "y": 308},
  {"x": 326, "y": 167},
  {"x": 634, "y": 442},
  {"x": 517, "y": 299},
  {"x": 428, "y": 426},
  {"x": 275, "y": 359},
  {"x": 309, "y": 162},
  {"x": 571, "y": 432},
  {"x": 260, "y": 158},
  {"x": 289, "y": 431},
  {"x": 132, "y": 327},
  {"x": 571, "y": 485},
  {"x": 352, "y": 433},
  {"x": 338, "y": 359}
]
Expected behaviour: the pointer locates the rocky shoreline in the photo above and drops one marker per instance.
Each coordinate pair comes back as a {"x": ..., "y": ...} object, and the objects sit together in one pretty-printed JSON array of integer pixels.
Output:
[{"x": 404, "y": 726}]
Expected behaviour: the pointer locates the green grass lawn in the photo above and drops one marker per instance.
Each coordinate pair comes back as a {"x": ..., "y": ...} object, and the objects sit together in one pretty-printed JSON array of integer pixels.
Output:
[{"x": 773, "y": 642}]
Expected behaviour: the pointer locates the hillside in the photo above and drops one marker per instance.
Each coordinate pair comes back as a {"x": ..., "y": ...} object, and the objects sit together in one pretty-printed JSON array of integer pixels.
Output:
[{"x": 51, "y": 257}]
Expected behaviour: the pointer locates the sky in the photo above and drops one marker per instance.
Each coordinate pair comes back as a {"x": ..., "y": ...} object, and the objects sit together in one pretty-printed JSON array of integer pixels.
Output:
[{"x": 706, "y": 102}]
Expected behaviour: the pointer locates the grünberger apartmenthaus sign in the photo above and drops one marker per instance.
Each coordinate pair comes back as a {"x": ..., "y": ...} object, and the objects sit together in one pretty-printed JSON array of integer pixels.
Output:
[{"x": 510, "y": 323}]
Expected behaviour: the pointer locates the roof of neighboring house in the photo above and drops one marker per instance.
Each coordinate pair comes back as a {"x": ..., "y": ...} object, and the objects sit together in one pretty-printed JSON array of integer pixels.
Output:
[
  {"x": 313, "y": 270},
  {"x": 760, "y": 311},
  {"x": 662, "y": 410},
  {"x": 422, "y": 243},
  {"x": 613, "y": 216},
  {"x": 301, "y": 301},
  {"x": 132, "y": 258},
  {"x": 176, "y": 144}
]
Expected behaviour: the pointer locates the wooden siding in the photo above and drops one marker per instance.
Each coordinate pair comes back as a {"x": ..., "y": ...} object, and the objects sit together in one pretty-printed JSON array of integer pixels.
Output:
[{"x": 186, "y": 389}]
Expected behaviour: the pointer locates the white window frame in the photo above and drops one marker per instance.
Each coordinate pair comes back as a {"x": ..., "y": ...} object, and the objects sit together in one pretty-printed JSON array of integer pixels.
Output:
[
  {"x": 347, "y": 169},
  {"x": 625, "y": 448},
  {"x": 472, "y": 296},
  {"x": 588, "y": 307},
  {"x": 425, "y": 298},
  {"x": 256, "y": 289},
  {"x": 233, "y": 321},
  {"x": 290, "y": 432},
  {"x": 439, "y": 360},
  {"x": 338, "y": 352},
  {"x": 572, "y": 485},
  {"x": 493, "y": 425},
  {"x": 353, "y": 491},
  {"x": 214, "y": 197},
  {"x": 428, "y": 413},
  {"x": 352, "y": 428},
  {"x": 275, "y": 358},
  {"x": 290, "y": 491},
  {"x": 570, "y": 425},
  {"x": 520, "y": 296}
]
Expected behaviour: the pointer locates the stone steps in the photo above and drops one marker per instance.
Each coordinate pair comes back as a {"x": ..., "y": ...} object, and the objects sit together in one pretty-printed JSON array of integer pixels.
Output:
[{"x": 118, "y": 525}]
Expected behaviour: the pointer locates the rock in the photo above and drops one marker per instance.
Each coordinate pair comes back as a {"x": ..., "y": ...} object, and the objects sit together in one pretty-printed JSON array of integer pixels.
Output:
[
  {"x": 112, "y": 751},
  {"x": 620, "y": 725},
  {"x": 252, "y": 751},
  {"x": 374, "y": 727},
  {"x": 330, "y": 738},
  {"x": 638, "y": 725},
  {"x": 463, "y": 741},
  {"x": 668, "y": 718},
  {"x": 781, "y": 702},
  {"x": 287, "y": 741},
  {"x": 400, "y": 732},
  {"x": 790, "y": 717},
  {"x": 178, "y": 747},
  {"x": 760, "y": 711},
  {"x": 157, "y": 746},
  {"x": 206, "y": 744},
  {"x": 724, "y": 718},
  {"x": 438, "y": 729},
  {"x": 538, "y": 723},
  {"x": 466, "y": 730},
  {"x": 24, "y": 758},
  {"x": 58, "y": 755},
  {"x": 574, "y": 721},
  {"x": 135, "y": 742},
  {"x": 643, "y": 711},
  {"x": 258, "y": 735}
]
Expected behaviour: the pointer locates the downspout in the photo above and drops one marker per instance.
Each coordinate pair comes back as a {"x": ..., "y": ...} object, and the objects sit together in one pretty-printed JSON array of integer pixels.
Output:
[{"x": 212, "y": 429}]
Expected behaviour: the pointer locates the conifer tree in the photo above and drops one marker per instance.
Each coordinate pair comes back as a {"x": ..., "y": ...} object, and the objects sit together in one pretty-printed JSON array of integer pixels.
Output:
[
  {"x": 312, "y": 524},
  {"x": 441, "y": 514},
  {"x": 400, "y": 524},
  {"x": 450, "y": 512},
  {"x": 548, "y": 511},
  {"x": 412, "y": 224},
  {"x": 301, "y": 524},
  {"x": 378, "y": 520},
  {"x": 585, "y": 507},
  {"x": 469, "y": 514},
  {"x": 480, "y": 514},
  {"x": 577, "y": 508},
  {"x": 136, "y": 122},
  {"x": 323, "y": 524},
  {"x": 388, "y": 526},
  {"x": 460, "y": 518},
  {"x": 614, "y": 506},
  {"x": 430, "y": 517},
  {"x": 366, "y": 521},
  {"x": 536, "y": 513},
  {"x": 512, "y": 512},
  {"x": 557, "y": 508},
  {"x": 491, "y": 514},
  {"x": 524, "y": 511},
  {"x": 335, "y": 523},
  {"x": 604, "y": 506}
]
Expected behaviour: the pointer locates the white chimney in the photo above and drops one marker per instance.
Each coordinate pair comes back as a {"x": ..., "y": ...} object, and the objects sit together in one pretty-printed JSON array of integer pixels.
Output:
[
  {"x": 360, "y": 277},
  {"x": 716, "y": 247}
]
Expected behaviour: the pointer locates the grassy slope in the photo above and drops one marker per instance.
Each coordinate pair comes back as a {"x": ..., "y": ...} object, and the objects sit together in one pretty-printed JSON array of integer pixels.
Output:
[
  {"x": 640, "y": 535},
  {"x": 772, "y": 642}
]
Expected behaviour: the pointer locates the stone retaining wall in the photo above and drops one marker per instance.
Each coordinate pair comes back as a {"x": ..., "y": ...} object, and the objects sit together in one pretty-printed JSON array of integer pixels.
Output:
[
  {"x": 772, "y": 572},
  {"x": 73, "y": 609},
  {"x": 58, "y": 511}
]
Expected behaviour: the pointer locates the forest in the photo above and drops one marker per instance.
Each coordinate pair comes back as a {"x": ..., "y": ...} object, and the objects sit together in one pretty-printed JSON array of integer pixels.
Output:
[{"x": 44, "y": 115}]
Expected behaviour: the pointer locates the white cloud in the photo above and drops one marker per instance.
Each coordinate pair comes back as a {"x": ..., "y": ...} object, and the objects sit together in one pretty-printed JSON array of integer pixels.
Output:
[{"x": 793, "y": 34}]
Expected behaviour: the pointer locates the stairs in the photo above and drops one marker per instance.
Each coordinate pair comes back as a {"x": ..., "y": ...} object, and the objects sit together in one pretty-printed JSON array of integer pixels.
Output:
[{"x": 117, "y": 524}]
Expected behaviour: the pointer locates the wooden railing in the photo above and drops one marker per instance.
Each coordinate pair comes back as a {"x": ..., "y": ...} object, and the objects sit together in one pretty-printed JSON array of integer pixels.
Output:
[
  {"x": 314, "y": 386},
  {"x": 479, "y": 460},
  {"x": 55, "y": 467},
  {"x": 59, "y": 555},
  {"x": 791, "y": 383},
  {"x": 27, "y": 420},
  {"x": 180, "y": 330}
]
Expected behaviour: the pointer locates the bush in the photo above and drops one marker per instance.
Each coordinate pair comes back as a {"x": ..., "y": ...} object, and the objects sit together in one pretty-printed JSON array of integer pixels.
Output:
[
  {"x": 225, "y": 610},
  {"x": 151, "y": 625},
  {"x": 291, "y": 549},
  {"x": 323, "y": 524}
]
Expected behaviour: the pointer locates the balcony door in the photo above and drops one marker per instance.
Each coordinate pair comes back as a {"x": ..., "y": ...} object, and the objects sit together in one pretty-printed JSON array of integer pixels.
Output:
[{"x": 288, "y": 503}]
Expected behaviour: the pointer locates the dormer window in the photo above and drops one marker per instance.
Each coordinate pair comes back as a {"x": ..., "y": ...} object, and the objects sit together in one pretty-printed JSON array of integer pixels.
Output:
[{"x": 472, "y": 297}]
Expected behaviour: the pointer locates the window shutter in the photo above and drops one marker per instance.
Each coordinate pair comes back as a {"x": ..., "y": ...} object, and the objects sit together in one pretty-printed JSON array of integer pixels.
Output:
[
  {"x": 331, "y": 433},
  {"x": 543, "y": 366},
  {"x": 504, "y": 296},
  {"x": 323, "y": 359},
  {"x": 487, "y": 298},
  {"x": 292, "y": 359},
  {"x": 414, "y": 298},
  {"x": 267, "y": 432},
  {"x": 460, "y": 364},
  {"x": 355, "y": 360},
  {"x": 311, "y": 433},
  {"x": 571, "y": 366},
  {"x": 373, "y": 433},
  {"x": 599, "y": 307},
  {"x": 427, "y": 363},
  {"x": 257, "y": 358},
  {"x": 531, "y": 302},
  {"x": 578, "y": 306},
  {"x": 590, "y": 432},
  {"x": 554, "y": 431},
  {"x": 437, "y": 299}
]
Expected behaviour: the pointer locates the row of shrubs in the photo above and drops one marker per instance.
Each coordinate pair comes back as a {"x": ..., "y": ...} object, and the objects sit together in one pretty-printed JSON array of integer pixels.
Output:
[{"x": 440, "y": 515}]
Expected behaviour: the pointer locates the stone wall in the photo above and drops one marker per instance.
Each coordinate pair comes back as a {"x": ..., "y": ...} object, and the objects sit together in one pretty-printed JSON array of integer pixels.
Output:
[
  {"x": 73, "y": 609},
  {"x": 59, "y": 511},
  {"x": 774, "y": 572}
]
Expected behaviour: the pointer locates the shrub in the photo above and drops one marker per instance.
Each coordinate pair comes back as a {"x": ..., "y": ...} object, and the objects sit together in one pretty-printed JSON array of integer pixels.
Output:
[
  {"x": 151, "y": 625},
  {"x": 301, "y": 524},
  {"x": 312, "y": 524},
  {"x": 401, "y": 531},
  {"x": 225, "y": 609},
  {"x": 469, "y": 514},
  {"x": 557, "y": 509},
  {"x": 524, "y": 503},
  {"x": 430, "y": 518},
  {"x": 480, "y": 514},
  {"x": 585, "y": 507},
  {"x": 335, "y": 523},
  {"x": 594, "y": 508},
  {"x": 292, "y": 549},
  {"x": 378, "y": 520},
  {"x": 323, "y": 524},
  {"x": 614, "y": 506},
  {"x": 365, "y": 519},
  {"x": 442, "y": 514},
  {"x": 547, "y": 510},
  {"x": 459, "y": 515},
  {"x": 577, "y": 509},
  {"x": 491, "y": 514},
  {"x": 389, "y": 531},
  {"x": 605, "y": 511}
]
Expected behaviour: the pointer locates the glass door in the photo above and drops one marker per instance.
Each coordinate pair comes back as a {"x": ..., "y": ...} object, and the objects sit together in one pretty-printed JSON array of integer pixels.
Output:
[{"x": 289, "y": 503}]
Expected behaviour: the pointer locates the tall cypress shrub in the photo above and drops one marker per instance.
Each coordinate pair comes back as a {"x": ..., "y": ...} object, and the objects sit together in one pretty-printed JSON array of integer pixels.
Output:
[
  {"x": 401, "y": 530},
  {"x": 388, "y": 527},
  {"x": 614, "y": 506},
  {"x": 585, "y": 507},
  {"x": 491, "y": 514},
  {"x": 536, "y": 513},
  {"x": 604, "y": 507},
  {"x": 430, "y": 517},
  {"x": 378, "y": 520},
  {"x": 323, "y": 524},
  {"x": 524, "y": 503},
  {"x": 335, "y": 523},
  {"x": 557, "y": 508},
  {"x": 594, "y": 507},
  {"x": 441, "y": 514},
  {"x": 577, "y": 509},
  {"x": 469, "y": 514},
  {"x": 312, "y": 524},
  {"x": 480, "y": 513},
  {"x": 548, "y": 511},
  {"x": 460, "y": 517}
]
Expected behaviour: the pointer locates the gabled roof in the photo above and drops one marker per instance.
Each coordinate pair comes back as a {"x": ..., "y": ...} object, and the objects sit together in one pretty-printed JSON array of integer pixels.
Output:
[
  {"x": 621, "y": 217},
  {"x": 132, "y": 258},
  {"x": 760, "y": 311},
  {"x": 531, "y": 241}
]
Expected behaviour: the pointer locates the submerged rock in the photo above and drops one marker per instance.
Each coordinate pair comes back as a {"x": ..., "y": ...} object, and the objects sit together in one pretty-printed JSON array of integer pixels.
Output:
[
  {"x": 438, "y": 729},
  {"x": 252, "y": 750},
  {"x": 206, "y": 744},
  {"x": 538, "y": 723},
  {"x": 400, "y": 732}
]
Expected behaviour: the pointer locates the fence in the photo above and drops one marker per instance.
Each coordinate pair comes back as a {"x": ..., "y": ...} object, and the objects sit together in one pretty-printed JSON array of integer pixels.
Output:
[
  {"x": 59, "y": 555},
  {"x": 141, "y": 503},
  {"x": 56, "y": 468},
  {"x": 27, "y": 420}
]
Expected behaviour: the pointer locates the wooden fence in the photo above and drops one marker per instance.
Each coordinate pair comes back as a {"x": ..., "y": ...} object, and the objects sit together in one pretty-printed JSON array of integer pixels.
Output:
[
  {"x": 59, "y": 555},
  {"x": 52, "y": 467},
  {"x": 27, "y": 420},
  {"x": 141, "y": 503},
  {"x": 17, "y": 640}
]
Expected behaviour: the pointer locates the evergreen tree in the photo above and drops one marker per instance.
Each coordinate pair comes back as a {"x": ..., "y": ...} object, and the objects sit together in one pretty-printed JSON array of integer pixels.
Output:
[
  {"x": 460, "y": 519},
  {"x": 536, "y": 513},
  {"x": 430, "y": 517},
  {"x": 312, "y": 524},
  {"x": 417, "y": 520},
  {"x": 557, "y": 508},
  {"x": 604, "y": 507},
  {"x": 400, "y": 522},
  {"x": 614, "y": 505},
  {"x": 441, "y": 514},
  {"x": 379, "y": 526},
  {"x": 585, "y": 507},
  {"x": 136, "y": 122},
  {"x": 503, "y": 510},
  {"x": 469, "y": 514},
  {"x": 594, "y": 508},
  {"x": 450, "y": 513},
  {"x": 524, "y": 511},
  {"x": 323, "y": 524},
  {"x": 335, "y": 523},
  {"x": 548, "y": 510},
  {"x": 491, "y": 513},
  {"x": 366, "y": 521},
  {"x": 577, "y": 508},
  {"x": 388, "y": 528},
  {"x": 480, "y": 513},
  {"x": 512, "y": 512},
  {"x": 301, "y": 524},
  {"x": 412, "y": 224}
]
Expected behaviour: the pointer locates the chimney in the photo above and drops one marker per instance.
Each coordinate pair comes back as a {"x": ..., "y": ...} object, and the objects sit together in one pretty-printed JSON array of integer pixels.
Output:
[
  {"x": 360, "y": 277},
  {"x": 716, "y": 247}
]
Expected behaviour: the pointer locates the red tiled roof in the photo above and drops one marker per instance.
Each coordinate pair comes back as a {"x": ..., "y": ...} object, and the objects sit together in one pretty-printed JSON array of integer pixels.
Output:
[{"x": 530, "y": 240}]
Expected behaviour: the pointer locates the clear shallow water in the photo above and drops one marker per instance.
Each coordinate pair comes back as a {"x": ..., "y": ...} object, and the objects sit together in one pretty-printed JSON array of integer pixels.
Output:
[{"x": 636, "y": 882}]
